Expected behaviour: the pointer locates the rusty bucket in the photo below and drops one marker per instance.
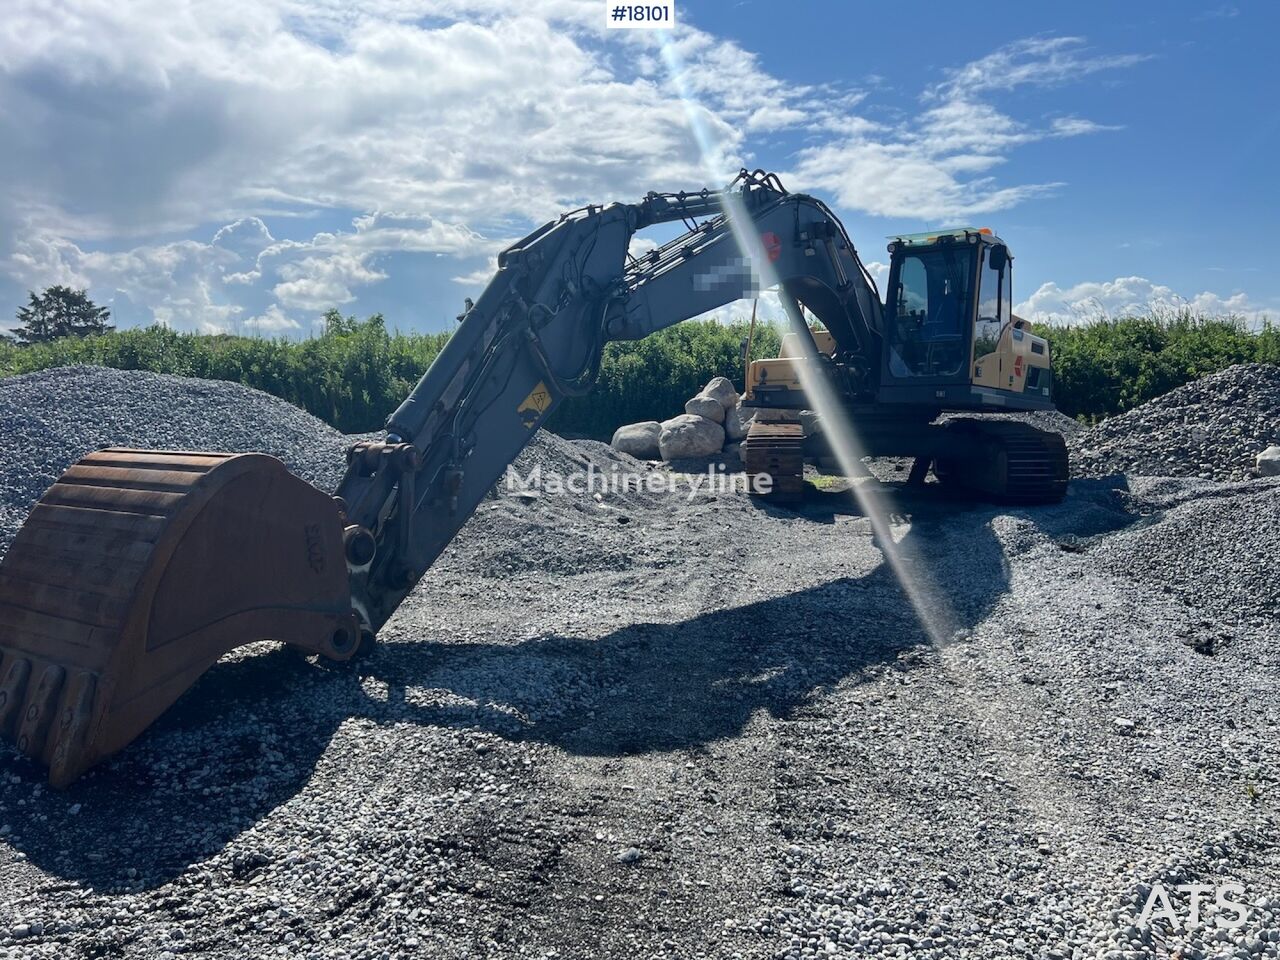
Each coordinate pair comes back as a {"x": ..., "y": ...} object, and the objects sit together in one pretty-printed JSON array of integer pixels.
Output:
[{"x": 136, "y": 571}]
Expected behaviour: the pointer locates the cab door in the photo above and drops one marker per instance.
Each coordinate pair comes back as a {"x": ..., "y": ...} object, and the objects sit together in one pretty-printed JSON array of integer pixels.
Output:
[
  {"x": 929, "y": 316},
  {"x": 999, "y": 347}
]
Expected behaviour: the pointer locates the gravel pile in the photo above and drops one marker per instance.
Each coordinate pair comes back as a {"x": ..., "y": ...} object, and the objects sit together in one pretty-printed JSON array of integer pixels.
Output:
[
  {"x": 1214, "y": 547},
  {"x": 679, "y": 725},
  {"x": 50, "y": 419},
  {"x": 1044, "y": 419},
  {"x": 1212, "y": 428},
  {"x": 528, "y": 523}
]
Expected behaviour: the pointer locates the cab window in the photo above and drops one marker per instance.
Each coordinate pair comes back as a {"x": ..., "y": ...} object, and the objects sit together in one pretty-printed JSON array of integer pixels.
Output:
[{"x": 928, "y": 336}]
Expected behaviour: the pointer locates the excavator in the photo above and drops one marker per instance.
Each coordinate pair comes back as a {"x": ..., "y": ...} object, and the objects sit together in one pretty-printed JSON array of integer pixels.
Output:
[
  {"x": 138, "y": 569},
  {"x": 947, "y": 340}
]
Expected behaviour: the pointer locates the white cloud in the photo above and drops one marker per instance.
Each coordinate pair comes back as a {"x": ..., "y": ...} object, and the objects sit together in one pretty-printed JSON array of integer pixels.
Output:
[
  {"x": 246, "y": 237},
  {"x": 317, "y": 283},
  {"x": 456, "y": 121},
  {"x": 1131, "y": 296},
  {"x": 1036, "y": 61},
  {"x": 219, "y": 111},
  {"x": 186, "y": 113},
  {"x": 641, "y": 246},
  {"x": 480, "y": 276},
  {"x": 938, "y": 164},
  {"x": 178, "y": 282},
  {"x": 192, "y": 285},
  {"x": 272, "y": 320}
]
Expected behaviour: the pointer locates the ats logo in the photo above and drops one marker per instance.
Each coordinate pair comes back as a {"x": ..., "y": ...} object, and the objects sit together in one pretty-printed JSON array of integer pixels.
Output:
[{"x": 1227, "y": 898}]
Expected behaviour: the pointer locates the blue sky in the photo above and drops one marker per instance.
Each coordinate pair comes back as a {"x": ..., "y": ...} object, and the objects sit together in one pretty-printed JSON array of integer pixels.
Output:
[{"x": 245, "y": 165}]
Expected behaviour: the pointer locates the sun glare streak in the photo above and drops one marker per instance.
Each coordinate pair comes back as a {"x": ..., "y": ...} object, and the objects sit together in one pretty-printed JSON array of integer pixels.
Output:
[{"x": 929, "y": 603}]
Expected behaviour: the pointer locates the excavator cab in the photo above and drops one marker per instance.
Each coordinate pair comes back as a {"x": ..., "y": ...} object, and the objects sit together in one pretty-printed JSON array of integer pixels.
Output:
[{"x": 951, "y": 339}]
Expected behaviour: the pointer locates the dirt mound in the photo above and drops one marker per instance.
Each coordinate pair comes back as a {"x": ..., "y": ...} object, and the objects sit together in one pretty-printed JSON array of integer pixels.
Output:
[
  {"x": 538, "y": 520},
  {"x": 1043, "y": 419},
  {"x": 562, "y": 507}
]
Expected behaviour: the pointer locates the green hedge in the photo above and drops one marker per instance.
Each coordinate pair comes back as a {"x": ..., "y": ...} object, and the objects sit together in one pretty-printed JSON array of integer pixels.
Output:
[
  {"x": 357, "y": 372},
  {"x": 651, "y": 379},
  {"x": 1109, "y": 366}
]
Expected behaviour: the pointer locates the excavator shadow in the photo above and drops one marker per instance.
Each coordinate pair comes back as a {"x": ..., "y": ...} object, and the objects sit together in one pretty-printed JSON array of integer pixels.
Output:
[{"x": 251, "y": 734}]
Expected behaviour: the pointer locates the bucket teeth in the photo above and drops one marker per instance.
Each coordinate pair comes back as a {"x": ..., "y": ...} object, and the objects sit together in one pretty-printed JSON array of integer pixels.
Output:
[
  {"x": 13, "y": 689},
  {"x": 37, "y": 712},
  {"x": 68, "y": 739}
]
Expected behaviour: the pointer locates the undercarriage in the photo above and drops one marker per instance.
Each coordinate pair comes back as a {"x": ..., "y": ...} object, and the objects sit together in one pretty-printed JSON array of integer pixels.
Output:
[{"x": 988, "y": 459}]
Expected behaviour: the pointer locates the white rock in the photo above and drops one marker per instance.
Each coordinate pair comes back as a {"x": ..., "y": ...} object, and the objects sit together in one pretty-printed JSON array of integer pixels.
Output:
[
  {"x": 723, "y": 390},
  {"x": 630, "y": 855},
  {"x": 690, "y": 436},
  {"x": 704, "y": 406},
  {"x": 811, "y": 422},
  {"x": 737, "y": 421},
  {"x": 638, "y": 439},
  {"x": 1269, "y": 462}
]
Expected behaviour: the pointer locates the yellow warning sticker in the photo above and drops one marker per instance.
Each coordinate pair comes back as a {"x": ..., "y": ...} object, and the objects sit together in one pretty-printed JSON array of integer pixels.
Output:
[{"x": 535, "y": 404}]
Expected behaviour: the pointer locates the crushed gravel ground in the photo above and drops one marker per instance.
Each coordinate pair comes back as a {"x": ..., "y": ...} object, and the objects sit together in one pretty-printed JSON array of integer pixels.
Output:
[{"x": 682, "y": 725}]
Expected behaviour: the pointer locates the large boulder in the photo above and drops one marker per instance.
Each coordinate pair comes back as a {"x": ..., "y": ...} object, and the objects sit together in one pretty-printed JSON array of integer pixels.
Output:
[
  {"x": 690, "y": 436},
  {"x": 723, "y": 390},
  {"x": 1269, "y": 462},
  {"x": 638, "y": 439},
  {"x": 737, "y": 422},
  {"x": 704, "y": 406},
  {"x": 811, "y": 421}
]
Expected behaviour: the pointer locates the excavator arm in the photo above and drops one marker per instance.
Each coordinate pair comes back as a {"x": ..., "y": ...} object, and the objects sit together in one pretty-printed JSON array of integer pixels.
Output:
[
  {"x": 536, "y": 335},
  {"x": 137, "y": 570}
]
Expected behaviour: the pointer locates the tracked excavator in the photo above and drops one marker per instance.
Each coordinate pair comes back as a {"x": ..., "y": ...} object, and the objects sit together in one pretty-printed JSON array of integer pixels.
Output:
[
  {"x": 138, "y": 569},
  {"x": 945, "y": 340}
]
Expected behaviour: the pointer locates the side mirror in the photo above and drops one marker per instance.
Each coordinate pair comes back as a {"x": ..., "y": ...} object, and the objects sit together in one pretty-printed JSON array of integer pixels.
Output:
[{"x": 998, "y": 257}]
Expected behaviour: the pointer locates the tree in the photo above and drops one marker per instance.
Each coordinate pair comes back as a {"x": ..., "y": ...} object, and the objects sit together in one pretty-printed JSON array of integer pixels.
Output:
[{"x": 60, "y": 312}]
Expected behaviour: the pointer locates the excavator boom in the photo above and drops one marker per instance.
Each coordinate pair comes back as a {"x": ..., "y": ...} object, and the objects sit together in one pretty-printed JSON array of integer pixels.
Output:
[{"x": 137, "y": 570}]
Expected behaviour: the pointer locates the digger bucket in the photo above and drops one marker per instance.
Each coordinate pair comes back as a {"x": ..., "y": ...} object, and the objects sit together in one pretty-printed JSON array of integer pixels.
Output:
[{"x": 136, "y": 571}]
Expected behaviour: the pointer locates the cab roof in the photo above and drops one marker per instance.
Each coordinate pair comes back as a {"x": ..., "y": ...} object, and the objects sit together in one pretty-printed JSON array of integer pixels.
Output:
[{"x": 982, "y": 234}]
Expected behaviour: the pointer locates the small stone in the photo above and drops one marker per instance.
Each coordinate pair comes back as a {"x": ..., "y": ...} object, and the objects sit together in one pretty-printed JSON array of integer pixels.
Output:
[
  {"x": 630, "y": 855},
  {"x": 1269, "y": 462}
]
